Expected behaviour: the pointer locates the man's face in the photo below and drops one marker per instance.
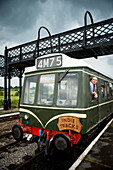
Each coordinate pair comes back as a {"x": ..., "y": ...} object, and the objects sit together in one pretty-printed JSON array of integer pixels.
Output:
[{"x": 94, "y": 80}]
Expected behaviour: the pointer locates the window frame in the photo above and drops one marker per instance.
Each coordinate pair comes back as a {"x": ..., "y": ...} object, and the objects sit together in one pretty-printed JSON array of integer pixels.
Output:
[
  {"x": 105, "y": 89},
  {"x": 63, "y": 105},
  {"x": 44, "y": 104},
  {"x": 29, "y": 90}
]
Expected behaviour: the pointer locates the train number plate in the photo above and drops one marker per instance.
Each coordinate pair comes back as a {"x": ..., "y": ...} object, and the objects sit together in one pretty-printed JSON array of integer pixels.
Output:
[{"x": 49, "y": 62}]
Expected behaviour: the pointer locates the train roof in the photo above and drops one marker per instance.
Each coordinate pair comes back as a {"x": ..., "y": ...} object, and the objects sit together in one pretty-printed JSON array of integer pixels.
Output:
[
  {"x": 62, "y": 59},
  {"x": 66, "y": 62}
]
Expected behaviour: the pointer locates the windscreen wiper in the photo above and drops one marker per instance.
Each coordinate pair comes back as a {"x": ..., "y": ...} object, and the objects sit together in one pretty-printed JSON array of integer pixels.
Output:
[{"x": 66, "y": 72}]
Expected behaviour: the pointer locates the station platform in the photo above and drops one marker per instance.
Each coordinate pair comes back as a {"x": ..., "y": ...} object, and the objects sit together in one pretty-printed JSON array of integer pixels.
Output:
[
  {"x": 2, "y": 111},
  {"x": 100, "y": 157}
]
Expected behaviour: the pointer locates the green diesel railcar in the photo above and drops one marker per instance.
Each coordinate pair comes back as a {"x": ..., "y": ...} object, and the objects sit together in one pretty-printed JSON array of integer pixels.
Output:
[{"x": 57, "y": 104}]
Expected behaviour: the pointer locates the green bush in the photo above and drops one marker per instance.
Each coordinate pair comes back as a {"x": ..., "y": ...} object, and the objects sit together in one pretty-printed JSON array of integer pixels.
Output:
[
  {"x": 1, "y": 93},
  {"x": 14, "y": 103},
  {"x": 1, "y": 102},
  {"x": 17, "y": 93}
]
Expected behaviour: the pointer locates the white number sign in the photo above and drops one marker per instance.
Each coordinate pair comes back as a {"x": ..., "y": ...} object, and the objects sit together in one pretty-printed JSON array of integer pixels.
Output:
[{"x": 49, "y": 62}]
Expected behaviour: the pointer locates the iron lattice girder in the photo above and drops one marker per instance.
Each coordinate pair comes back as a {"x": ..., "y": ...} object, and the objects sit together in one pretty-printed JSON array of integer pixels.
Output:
[
  {"x": 88, "y": 41},
  {"x": 2, "y": 61}
]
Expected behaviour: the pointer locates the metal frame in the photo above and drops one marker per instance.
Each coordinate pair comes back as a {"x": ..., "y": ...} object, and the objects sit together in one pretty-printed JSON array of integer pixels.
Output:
[
  {"x": 2, "y": 63},
  {"x": 89, "y": 41}
]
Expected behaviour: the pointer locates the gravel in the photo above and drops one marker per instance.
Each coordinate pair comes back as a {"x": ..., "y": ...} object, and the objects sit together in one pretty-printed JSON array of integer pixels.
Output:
[{"x": 15, "y": 155}]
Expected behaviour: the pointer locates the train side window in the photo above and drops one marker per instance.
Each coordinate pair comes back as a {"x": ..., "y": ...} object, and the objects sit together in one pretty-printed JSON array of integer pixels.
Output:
[
  {"x": 108, "y": 90},
  {"x": 67, "y": 89},
  {"x": 30, "y": 88},
  {"x": 93, "y": 88},
  {"x": 46, "y": 89},
  {"x": 111, "y": 89},
  {"x": 103, "y": 89}
]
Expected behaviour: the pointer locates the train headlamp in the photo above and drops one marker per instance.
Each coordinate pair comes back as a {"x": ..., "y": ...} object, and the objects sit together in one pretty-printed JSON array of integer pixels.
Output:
[{"x": 26, "y": 117}]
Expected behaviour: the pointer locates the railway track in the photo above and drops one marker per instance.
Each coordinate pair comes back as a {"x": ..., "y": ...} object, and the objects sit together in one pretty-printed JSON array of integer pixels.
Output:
[
  {"x": 12, "y": 146},
  {"x": 9, "y": 117},
  {"x": 58, "y": 160},
  {"x": 31, "y": 162},
  {"x": 35, "y": 161},
  {"x": 5, "y": 134},
  {"x": 7, "y": 121},
  {"x": 40, "y": 161},
  {"x": 7, "y": 140},
  {"x": 13, "y": 153}
]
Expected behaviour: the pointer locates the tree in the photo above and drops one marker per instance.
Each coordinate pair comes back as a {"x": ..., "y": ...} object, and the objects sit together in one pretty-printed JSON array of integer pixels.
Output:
[
  {"x": 1, "y": 93},
  {"x": 17, "y": 93}
]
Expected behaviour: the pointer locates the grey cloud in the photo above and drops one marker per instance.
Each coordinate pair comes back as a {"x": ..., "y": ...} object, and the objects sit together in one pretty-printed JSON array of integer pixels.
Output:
[
  {"x": 62, "y": 13},
  {"x": 16, "y": 16},
  {"x": 20, "y": 15},
  {"x": 100, "y": 10},
  {"x": 19, "y": 20}
]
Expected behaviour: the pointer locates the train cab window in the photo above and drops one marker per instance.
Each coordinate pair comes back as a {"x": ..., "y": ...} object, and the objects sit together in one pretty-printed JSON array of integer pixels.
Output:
[
  {"x": 30, "y": 87},
  {"x": 46, "y": 89},
  {"x": 67, "y": 89}
]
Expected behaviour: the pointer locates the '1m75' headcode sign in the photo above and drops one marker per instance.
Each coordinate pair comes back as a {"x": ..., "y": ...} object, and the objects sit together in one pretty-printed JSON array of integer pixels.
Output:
[{"x": 49, "y": 62}]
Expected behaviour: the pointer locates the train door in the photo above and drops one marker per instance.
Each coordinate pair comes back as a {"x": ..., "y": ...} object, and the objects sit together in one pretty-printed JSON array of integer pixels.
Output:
[
  {"x": 94, "y": 114},
  {"x": 105, "y": 107}
]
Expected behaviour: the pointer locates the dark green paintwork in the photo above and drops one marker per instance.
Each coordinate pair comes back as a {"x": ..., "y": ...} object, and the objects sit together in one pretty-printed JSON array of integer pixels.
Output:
[{"x": 94, "y": 115}]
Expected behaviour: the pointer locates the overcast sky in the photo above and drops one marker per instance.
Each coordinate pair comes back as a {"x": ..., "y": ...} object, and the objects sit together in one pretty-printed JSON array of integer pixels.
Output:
[{"x": 21, "y": 19}]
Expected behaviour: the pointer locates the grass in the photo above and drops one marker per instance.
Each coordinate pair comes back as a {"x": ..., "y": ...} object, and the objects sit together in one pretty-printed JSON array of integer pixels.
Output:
[{"x": 14, "y": 97}]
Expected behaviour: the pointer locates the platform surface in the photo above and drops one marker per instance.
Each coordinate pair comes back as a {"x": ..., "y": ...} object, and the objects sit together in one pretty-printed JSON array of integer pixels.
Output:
[{"x": 100, "y": 156}]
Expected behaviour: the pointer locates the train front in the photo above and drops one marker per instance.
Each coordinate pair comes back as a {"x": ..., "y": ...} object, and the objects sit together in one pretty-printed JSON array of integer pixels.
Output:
[{"x": 50, "y": 107}]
